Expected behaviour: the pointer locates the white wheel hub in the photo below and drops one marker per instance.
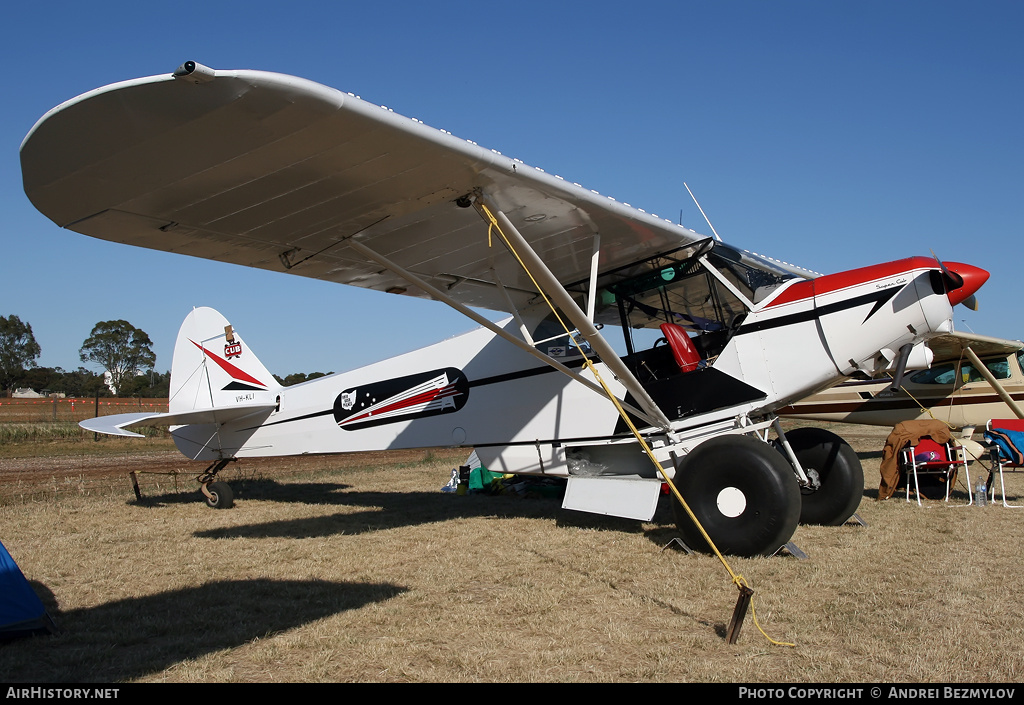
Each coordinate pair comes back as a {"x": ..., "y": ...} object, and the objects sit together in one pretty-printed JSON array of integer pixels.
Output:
[{"x": 731, "y": 502}]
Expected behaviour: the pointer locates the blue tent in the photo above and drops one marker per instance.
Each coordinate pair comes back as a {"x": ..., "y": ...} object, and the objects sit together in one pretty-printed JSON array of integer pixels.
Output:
[{"x": 21, "y": 611}]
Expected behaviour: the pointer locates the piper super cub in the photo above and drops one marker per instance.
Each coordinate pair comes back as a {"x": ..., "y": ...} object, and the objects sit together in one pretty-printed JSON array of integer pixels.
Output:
[{"x": 634, "y": 347}]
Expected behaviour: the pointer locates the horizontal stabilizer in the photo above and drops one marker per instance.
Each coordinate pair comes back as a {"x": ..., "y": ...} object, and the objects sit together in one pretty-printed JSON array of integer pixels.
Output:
[{"x": 117, "y": 424}]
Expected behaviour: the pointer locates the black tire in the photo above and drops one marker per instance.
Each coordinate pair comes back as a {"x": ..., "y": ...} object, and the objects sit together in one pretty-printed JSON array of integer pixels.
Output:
[
  {"x": 744, "y": 494},
  {"x": 223, "y": 497},
  {"x": 839, "y": 471}
]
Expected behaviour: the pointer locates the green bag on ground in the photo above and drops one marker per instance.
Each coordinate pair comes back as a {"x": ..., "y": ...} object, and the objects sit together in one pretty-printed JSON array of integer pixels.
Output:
[{"x": 480, "y": 478}]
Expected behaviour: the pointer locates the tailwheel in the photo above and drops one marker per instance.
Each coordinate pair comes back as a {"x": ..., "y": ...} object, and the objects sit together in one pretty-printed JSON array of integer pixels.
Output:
[
  {"x": 834, "y": 468},
  {"x": 219, "y": 495},
  {"x": 743, "y": 493}
]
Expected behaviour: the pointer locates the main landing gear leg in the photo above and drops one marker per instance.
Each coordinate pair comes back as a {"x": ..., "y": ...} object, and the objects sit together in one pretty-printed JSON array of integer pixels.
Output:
[{"x": 218, "y": 494}]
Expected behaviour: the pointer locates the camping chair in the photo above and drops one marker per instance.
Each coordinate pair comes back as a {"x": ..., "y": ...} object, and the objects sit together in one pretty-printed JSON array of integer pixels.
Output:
[
  {"x": 931, "y": 458},
  {"x": 1006, "y": 437}
]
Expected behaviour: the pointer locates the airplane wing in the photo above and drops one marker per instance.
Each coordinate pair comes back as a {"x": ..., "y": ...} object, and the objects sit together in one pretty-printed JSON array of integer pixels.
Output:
[
  {"x": 276, "y": 172},
  {"x": 950, "y": 346}
]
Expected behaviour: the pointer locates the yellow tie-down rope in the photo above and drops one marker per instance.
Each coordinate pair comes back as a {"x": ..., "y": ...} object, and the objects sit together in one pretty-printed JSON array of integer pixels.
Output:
[{"x": 737, "y": 580}]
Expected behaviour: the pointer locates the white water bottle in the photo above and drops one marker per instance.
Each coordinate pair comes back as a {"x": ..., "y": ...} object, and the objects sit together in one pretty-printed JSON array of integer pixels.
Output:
[{"x": 980, "y": 494}]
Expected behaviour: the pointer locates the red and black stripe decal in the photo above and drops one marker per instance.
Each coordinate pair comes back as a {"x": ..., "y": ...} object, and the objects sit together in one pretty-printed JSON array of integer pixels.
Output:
[
  {"x": 417, "y": 396},
  {"x": 241, "y": 380}
]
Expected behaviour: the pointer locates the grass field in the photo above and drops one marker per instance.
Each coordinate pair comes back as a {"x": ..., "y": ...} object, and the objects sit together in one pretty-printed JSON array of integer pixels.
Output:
[
  {"x": 43, "y": 420},
  {"x": 357, "y": 568}
]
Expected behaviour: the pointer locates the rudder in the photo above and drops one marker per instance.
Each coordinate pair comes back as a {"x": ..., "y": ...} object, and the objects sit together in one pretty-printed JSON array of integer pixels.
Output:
[{"x": 213, "y": 367}]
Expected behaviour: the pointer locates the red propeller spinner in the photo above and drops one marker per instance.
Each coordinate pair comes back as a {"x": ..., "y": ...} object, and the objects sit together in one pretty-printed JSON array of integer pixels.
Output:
[{"x": 962, "y": 281}]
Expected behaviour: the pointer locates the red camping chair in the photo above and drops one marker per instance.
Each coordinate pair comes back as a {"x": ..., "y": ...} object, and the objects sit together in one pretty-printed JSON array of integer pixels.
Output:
[
  {"x": 995, "y": 426},
  {"x": 931, "y": 458},
  {"x": 683, "y": 351}
]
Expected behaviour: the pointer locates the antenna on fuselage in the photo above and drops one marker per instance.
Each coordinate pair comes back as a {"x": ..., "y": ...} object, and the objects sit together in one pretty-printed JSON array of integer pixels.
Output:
[{"x": 702, "y": 212}]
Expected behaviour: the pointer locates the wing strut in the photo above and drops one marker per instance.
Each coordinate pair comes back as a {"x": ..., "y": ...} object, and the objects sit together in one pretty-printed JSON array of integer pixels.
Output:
[
  {"x": 561, "y": 298},
  {"x": 494, "y": 328}
]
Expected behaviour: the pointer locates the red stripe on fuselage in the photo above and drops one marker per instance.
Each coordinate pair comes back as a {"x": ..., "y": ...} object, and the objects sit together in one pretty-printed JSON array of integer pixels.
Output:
[
  {"x": 421, "y": 398},
  {"x": 853, "y": 277}
]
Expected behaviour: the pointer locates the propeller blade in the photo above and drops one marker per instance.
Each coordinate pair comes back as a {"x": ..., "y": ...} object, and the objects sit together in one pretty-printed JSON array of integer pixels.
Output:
[{"x": 950, "y": 279}]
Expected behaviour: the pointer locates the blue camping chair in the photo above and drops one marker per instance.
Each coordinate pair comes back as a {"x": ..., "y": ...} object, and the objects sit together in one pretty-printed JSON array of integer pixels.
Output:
[{"x": 1006, "y": 438}]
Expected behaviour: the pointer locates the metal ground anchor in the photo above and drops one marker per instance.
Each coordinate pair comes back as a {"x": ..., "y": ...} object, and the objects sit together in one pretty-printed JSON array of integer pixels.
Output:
[{"x": 732, "y": 634}]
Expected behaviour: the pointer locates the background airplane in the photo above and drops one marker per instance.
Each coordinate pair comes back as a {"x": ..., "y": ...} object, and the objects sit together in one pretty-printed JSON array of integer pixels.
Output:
[{"x": 952, "y": 390}]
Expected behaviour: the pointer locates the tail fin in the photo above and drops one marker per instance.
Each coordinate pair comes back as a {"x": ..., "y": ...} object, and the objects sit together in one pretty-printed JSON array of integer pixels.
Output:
[{"x": 213, "y": 368}]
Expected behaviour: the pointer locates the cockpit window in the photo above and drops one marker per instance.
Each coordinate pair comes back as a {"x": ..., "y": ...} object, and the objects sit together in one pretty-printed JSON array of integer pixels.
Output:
[
  {"x": 754, "y": 277},
  {"x": 709, "y": 302}
]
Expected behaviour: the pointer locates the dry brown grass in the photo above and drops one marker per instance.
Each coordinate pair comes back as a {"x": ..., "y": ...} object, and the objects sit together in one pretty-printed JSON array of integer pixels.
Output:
[{"x": 359, "y": 569}]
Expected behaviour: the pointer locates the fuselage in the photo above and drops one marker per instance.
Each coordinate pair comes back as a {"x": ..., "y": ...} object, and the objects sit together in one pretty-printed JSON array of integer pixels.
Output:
[{"x": 477, "y": 390}]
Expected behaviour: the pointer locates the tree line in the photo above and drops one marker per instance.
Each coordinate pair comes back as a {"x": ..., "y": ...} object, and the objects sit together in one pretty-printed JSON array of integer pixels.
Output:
[{"x": 122, "y": 351}]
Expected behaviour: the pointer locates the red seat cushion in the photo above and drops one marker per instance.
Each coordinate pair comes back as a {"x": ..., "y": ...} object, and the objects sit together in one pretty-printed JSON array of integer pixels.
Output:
[
  {"x": 1008, "y": 424},
  {"x": 928, "y": 450},
  {"x": 685, "y": 354}
]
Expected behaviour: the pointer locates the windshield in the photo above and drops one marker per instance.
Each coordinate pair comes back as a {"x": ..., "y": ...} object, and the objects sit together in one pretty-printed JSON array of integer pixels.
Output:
[{"x": 755, "y": 276}]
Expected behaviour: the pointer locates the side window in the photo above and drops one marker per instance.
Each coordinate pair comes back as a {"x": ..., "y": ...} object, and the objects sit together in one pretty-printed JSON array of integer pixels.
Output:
[
  {"x": 552, "y": 340},
  {"x": 1000, "y": 369},
  {"x": 946, "y": 374},
  {"x": 941, "y": 374}
]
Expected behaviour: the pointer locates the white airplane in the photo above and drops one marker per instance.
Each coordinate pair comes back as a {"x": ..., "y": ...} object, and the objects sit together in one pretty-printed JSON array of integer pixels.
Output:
[{"x": 277, "y": 172}]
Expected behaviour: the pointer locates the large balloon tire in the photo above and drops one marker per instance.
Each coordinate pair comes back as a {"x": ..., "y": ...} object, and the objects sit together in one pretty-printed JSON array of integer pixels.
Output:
[
  {"x": 725, "y": 472},
  {"x": 839, "y": 472},
  {"x": 223, "y": 497}
]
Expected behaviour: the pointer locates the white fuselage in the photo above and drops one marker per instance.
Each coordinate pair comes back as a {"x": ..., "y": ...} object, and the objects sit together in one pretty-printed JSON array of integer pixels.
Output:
[{"x": 477, "y": 390}]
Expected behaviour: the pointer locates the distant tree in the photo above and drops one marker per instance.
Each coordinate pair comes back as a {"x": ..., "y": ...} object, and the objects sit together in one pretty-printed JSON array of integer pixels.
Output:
[
  {"x": 150, "y": 385},
  {"x": 122, "y": 349},
  {"x": 299, "y": 378},
  {"x": 18, "y": 349},
  {"x": 40, "y": 379},
  {"x": 80, "y": 383}
]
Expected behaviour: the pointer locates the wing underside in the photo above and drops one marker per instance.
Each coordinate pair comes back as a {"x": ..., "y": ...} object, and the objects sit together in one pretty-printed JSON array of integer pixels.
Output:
[
  {"x": 271, "y": 171},
  {"x": 951, "y": 346}
]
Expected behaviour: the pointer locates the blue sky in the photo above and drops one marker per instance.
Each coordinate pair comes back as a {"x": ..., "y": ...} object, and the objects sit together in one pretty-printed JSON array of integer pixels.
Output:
[{"x": 828, "y": 134}]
